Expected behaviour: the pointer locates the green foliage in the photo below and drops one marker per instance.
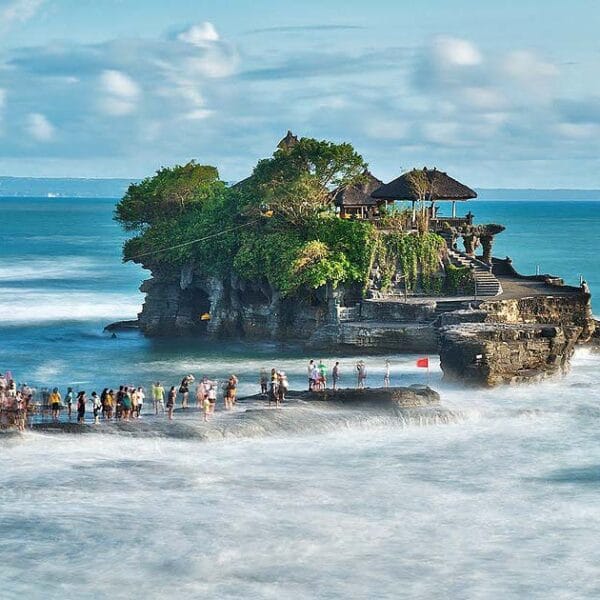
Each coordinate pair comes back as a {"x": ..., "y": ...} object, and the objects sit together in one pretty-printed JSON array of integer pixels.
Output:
[
  {"x": 396, "y": 218},
  {"x": 459, "y": 279},
  {"x": 302, "y": 246},
  {"x": 169, "y": 193},
  {"x": 328, "y": 250},
  {"x": 417, "y": 256},
  {"x": 297, "y": 182}
]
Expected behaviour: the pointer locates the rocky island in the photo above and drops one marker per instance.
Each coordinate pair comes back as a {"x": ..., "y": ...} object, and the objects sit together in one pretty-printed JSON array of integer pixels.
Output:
[{"x": 313, "y": 248}]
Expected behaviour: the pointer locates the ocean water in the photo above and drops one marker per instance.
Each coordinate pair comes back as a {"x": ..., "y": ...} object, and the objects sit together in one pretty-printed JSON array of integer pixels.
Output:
[{"x": 500, "y": 501}]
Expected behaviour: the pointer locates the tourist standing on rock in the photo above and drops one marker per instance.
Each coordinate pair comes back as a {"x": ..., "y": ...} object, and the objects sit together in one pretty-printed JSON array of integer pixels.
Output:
[
  {"x": 126, "y": 404},
  {"x": 264, "y": 382},
  {"x": 230, "y": 392},
  {"x": 158, "y": 397},
  {"x": 282, "y": 386},
  {"x": 311, "y": 381},
  {"x": 273, "y": 387},
  {"x": 361, "y": 372},
  {"x": 212, "y": 395},
  {"x": 205, "y": 407},
  {"x": 134, "y": 401},
  {"x": 171, "y": 402},
  {"x": 201, "y": 392},
  {"x": 96, "y": 407},
  {"x": 315, "y": 377},
  {"x": 81, "y": 400},
  {"x": 55, "y": 403},
  {"x": 21, "y": 411},
  {"x": 109, "y": 404},
  {"x": 184, "y": 389},
  {"x": 119, "y": 402},
  {"x": 69, "y": 401},
  {"x": 103, "y": 395},
  {"x": 335, "y": 375},
  {"x": 140, "y": 398},
  {"x": 322, "y": 375},
  {"x": 386, "y": 376}
]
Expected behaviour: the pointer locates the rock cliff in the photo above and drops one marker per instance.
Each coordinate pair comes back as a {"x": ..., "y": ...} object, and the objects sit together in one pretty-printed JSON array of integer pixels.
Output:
[
  {"x": 481, "y": 342},
  {"x": 489, "y": 354}
]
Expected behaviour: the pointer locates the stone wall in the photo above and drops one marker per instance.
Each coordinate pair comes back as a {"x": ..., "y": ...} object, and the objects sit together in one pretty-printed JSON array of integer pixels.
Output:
[
  {"x": 398, "y": 311},
  {"x": 567, "y": 310}
]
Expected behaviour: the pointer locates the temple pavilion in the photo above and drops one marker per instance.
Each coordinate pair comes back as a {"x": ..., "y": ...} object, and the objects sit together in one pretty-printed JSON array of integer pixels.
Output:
[{"x": 424, "y": 187}]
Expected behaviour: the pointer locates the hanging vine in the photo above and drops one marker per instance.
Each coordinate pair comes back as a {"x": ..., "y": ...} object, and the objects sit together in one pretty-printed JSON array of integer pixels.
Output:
[{"x": 416, "y": 256}]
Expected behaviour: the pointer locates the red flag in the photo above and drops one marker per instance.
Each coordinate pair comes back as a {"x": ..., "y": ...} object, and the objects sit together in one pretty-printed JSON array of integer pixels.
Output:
[{"x": 423, "y": 362}]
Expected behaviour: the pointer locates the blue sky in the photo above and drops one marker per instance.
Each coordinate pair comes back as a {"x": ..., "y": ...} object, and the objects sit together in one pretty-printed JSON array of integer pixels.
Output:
[{"x": 499, "y": 94}]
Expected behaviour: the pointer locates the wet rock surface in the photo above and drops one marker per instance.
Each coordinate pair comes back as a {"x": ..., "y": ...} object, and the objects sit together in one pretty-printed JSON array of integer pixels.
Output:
[
  {"x": 301, "y": 413},
  {"x": 489, "y": 354}
]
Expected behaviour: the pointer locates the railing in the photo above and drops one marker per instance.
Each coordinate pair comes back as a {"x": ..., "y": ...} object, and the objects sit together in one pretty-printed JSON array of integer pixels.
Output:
[
  {"x": 440, "y": 223},
  {"x": 405, "y": 222}
]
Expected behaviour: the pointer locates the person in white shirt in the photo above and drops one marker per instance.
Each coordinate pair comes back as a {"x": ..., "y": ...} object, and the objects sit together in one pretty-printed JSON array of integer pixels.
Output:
[
  {"x": 140, "y": 400},
  {"x": 212, "y": 395},
  {"x": 311, "y": 381}
]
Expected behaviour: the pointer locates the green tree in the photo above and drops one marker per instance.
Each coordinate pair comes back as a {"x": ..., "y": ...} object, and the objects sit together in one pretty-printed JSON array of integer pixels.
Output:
[
  {"x": 169, "y": 193},
  {"x": 297, "y": 182}
]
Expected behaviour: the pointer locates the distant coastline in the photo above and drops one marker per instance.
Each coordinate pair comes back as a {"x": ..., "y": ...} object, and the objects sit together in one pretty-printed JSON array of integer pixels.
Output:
[
  {"x": 63, "y": 187},
  {"x": 72, "y": 187}
]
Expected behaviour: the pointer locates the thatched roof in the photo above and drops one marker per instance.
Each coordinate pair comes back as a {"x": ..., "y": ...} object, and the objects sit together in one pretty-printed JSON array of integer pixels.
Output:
[
  {"x": 358, "y": 194},
  {"x": 288, "y": 142},
  {"x": 433, "y": 185}
]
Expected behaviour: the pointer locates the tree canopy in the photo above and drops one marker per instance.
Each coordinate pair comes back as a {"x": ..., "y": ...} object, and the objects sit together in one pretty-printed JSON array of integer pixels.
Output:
[
  {"x": 278, "y": 225},
  {"x": 169, "y": 193},
  {"x": 298, "y": 180}
]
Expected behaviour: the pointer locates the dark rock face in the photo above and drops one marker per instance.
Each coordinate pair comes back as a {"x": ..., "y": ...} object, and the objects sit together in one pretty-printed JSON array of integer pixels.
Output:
[
  {"x": 401, "y": 397},
  {"x": 490, "y": 354},
  {"x": 480, "y": 342},
  {"x": 175, "y": 306}
]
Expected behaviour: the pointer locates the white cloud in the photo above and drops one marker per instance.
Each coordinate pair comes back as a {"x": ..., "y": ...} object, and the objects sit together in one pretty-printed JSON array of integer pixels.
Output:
[
  {"x": 525, "y": 65},
  {"x": 18, "y": 11},
  {"x": 454, "y": 52},
  {"x": 201, "y": 35},
  {"x": 485, "y": 98},
  {"x": 39, "y": 127},
  {"x": 448, "y": 61},
  {"x": 122, "y": 93},
  {"x": 578, "y": 131}
]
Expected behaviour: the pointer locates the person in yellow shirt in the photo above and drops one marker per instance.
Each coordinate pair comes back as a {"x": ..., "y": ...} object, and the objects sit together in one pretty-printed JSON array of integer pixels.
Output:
[{"x": 55, "y": 403}]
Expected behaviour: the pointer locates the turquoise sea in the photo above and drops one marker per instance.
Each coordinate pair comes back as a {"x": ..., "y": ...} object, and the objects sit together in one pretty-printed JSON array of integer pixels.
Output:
[{"x": 500, "y": 503}]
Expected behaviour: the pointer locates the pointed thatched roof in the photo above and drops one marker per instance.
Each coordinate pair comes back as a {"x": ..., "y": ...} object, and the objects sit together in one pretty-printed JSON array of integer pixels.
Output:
[
  {"x": 358, "y": 194},
  {"x": 288, "y": 142},
  {"x": 429, "y": 183}
]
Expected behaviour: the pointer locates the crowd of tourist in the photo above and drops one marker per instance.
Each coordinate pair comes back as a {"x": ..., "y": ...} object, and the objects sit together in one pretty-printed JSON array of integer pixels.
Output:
[
  {"x": 127, "y": 402},
  {"x": 18, "y": 402}
]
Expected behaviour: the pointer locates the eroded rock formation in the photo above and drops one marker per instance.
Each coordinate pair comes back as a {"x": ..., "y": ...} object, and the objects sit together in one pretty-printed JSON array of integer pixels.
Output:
[{"x": 490, "y": 354}]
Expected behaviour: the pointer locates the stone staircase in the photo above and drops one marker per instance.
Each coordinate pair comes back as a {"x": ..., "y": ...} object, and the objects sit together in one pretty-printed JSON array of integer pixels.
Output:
[{"x": 486, "y": 282}]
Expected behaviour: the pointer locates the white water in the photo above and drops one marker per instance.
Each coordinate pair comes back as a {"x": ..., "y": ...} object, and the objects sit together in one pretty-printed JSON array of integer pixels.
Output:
[{"x": 503, "y": 504}]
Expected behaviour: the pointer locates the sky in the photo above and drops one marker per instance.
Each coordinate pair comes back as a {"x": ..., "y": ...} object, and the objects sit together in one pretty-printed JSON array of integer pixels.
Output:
[{"x": 502, "y": 93}]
